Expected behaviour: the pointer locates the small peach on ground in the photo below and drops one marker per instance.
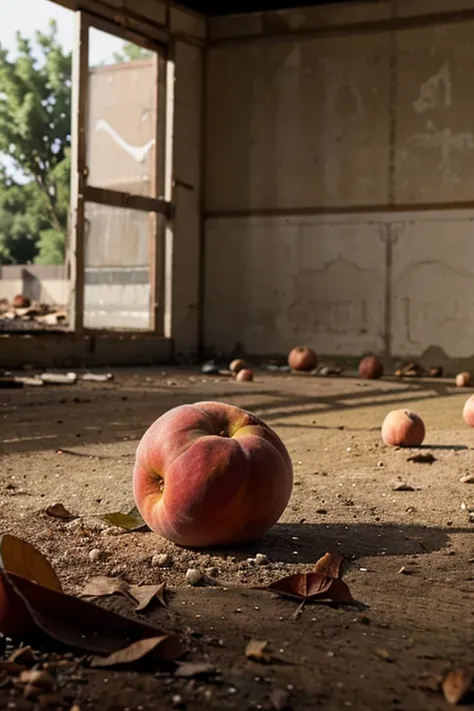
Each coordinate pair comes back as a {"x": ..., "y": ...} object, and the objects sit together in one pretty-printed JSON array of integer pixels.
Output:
[
  {"x": 463, "y": 379},
  {"x": 468, "y": 412},
  {"x": 403, "y": 428},
  {"x": 302, "y": 358},
  {"x": 370, "y": 368},
  {"x": 237, "y": 365},
  {"x": 244, "y": 376}
]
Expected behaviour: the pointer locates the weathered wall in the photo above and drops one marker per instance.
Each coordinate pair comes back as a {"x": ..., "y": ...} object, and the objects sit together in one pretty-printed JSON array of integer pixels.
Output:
[{"x": 339, "y": 201}]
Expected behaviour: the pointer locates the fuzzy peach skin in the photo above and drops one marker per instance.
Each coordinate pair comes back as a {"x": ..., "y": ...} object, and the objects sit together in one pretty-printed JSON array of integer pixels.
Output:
[
  {"x": 403, "y": 428},
  {"x": 468, "y": 411},
  {"x": 211, "y": 474}
]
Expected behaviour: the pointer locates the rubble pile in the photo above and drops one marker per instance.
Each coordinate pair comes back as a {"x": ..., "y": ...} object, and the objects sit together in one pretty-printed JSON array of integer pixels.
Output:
[{"x": 24, "y": 314}]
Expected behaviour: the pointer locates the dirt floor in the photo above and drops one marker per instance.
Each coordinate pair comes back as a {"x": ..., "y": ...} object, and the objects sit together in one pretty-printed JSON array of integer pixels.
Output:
[{"x": 409, "y": 554}]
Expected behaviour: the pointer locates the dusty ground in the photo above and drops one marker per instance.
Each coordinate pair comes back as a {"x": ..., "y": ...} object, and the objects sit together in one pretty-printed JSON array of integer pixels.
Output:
[{"x": 416, "y": 625}]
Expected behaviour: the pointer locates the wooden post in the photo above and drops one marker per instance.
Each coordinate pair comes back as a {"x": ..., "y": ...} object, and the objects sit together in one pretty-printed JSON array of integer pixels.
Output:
[{"x": 80, "y": 73}]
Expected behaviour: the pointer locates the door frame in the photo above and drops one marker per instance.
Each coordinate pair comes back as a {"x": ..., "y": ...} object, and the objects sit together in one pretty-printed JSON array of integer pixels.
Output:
[{"x": 81, "y": 193}]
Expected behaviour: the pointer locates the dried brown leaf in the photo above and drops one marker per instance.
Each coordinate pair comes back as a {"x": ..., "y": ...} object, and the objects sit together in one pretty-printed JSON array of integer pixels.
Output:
[
  {"x": 194, "y": 670},
  {"x": 166, "y": 648},
  {"x": 19, "y": 557},
  {"x": 330, "y": 565},
  {"x": 456, "y": 686},
  {"x": 61, "y": 512},
  {"x": 143, "y": 595},
  {"x": 146, "y": 594},
  {"x": 256, "y": 651},
  {"x": 33, "y": 611}
]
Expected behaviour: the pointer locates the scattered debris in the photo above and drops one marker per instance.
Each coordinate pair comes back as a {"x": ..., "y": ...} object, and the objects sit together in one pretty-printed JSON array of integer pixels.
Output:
[
  {"x": 96, "y": 555},
  {"x": 256, "y": 651},
  {"x": 194, "y": 577},
  {"x": 261, "y": 559},
  {"x": 21, "y": 314},
  {"x": 160, "y": 560},
  {"x": 422, "y": 458},
  {"x": 410, "y": 370},
  {"x": 404, "y": 571},
  {"x": 97, "y": 377},
  {"x": 467, "y": 479},
  {"x": 456, "y": 686},
  {"x": 59, "y": 378},
  {"x": 435, "y": 371},
  {"x": 383, "y": 654}
]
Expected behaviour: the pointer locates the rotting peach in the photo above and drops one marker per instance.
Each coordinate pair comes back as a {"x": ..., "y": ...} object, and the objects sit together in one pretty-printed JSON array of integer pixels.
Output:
[
  {"x": 370, "y": 368},
  {"x": 403, "y": 428},
  {"x": 302, "y": 358},
  {"x": 237, "y": 365},
  {"x": 211, "y": 474},
  {"x": 468, "y": 411},
  {"x": 463, "y": 379},
  {"x": 244, "y": 376}
]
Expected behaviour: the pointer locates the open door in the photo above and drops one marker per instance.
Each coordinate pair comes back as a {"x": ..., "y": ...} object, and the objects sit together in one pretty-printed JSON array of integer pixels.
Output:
[{"x": 118, "y": 207}]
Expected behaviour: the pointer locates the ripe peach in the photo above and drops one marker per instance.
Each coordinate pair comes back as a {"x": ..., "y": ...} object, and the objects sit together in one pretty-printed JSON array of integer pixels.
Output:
[
  {"x": 403, "y": 428},
  {"x": 211, "y": 474},
  {"x": 302, "y": 358},
  {"x": 245, "y": 375},
  {"x": 463, "y": 379},
  {"x": 468, "y": 411},
  {"x": 370, "y": 368},
  {"x": 21, "y": 302},
  {"x": 236, "y": 365}
]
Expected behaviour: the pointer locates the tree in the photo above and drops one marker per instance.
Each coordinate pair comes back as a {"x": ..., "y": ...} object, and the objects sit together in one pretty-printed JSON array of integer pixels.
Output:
[
  {"x": 35, "y": 126},
  {"x": 131, "y": 52}
]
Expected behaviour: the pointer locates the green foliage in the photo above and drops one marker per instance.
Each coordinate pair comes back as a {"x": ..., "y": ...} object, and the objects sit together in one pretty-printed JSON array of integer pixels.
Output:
[
  {"x": 130, "y": 52},
  {"x": 35, "y": 125}
]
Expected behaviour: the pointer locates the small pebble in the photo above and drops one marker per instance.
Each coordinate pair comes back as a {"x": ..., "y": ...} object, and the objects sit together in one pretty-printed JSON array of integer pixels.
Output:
[
  {"x": 467, "y": 479},
  {"x": 251, "y": 561},
  {"x": 404, "y": 571},
  {"x": 177, "y": 702},
  {"x": 261, "y": 559},
  {"x": 160, "y": 560},
  {"x": 380, "y": 464},
  {"x": 194, "y": 576},
  {"x": 96, "y": 555},
  {"x": 212, "y": 572}
]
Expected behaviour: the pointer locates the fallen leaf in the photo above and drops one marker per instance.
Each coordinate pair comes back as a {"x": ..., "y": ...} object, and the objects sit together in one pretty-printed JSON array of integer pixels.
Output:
[
  {"x": 256, "y": 652},
  {"x": 194, "y": 670},
  {"x": 130, "y": 521},
  {"x": 456, "y": 685},
  {"x": 19, "y": 557},
  {"x": 166, "y": 648},
  {"x": 31, "y": 610},
  {"x": 403, "y": 486},
  {"x": 143, "y": 595},
  {"x": 61, "y": 512},
  {"x": 330, "y": 565},
  {"x": 427, "y": 458}
]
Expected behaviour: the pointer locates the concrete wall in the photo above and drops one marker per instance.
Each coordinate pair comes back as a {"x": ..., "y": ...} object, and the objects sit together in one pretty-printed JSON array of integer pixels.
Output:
[
  {"x": 339, "y": 190},
  {"x": 46, "y": 284}
]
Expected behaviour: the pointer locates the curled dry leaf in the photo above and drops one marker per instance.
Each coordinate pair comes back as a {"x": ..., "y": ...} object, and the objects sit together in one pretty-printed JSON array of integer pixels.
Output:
[
  {"x": 456, "y": 686},
  {"x": 166, "y": 648},
  {"x": 142, "y": 595},
  {"x": 19, "y": 557},
  {"x": 321, "y": 584},
  {"x": 59, "y": 511}
]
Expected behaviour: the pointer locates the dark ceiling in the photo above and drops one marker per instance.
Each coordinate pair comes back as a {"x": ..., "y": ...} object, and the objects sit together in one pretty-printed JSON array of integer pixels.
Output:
[{"x": 215, "y": 8}]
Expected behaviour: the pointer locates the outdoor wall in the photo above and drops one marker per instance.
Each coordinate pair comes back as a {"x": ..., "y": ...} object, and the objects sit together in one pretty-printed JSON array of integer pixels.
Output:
[
  {"x": 339, "y": 192},
  {"x": 46, "y": 284}
]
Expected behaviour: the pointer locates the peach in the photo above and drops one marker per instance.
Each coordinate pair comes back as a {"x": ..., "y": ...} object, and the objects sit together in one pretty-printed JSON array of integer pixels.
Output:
[
  {"x": 211, "y": 474},
  {"x": 403, "y": 428},
  {"x": 302, "y": 358},
  {"x": 370, "y": 368},
  {"x": 245, "y": 375},
  {"x": 21, "y": 302},
  {"x": 236, "y": 365},
  {"x": 468, "y": 411},
  {"x": 463, "y": 379}
]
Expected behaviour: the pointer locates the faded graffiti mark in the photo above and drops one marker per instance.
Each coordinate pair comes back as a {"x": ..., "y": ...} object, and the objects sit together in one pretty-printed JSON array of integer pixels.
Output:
[
  {"x": 446, "y": 142},
  {"x": 435, "y": 91},
  {"x": 137, "y": 152}
]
